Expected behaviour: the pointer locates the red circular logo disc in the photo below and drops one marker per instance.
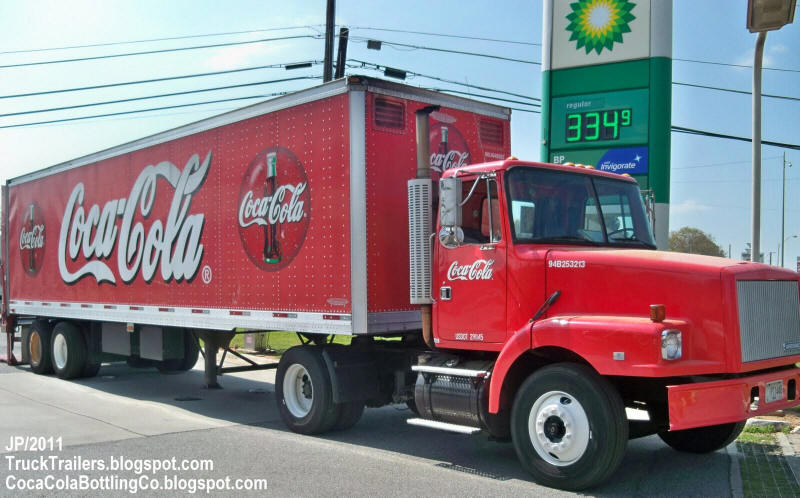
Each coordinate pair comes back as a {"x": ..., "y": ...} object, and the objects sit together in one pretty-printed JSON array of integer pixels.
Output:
[
  {"x": 31, "y": 239},
  {"x": 274, "y": 208}
]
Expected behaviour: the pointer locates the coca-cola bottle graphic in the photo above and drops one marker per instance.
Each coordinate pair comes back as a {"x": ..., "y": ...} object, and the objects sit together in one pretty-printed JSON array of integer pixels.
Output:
[
  {"x": 31, "y": 255},
  {"x": 443, "y": 148},
  {"x": 272, "y": 246}
]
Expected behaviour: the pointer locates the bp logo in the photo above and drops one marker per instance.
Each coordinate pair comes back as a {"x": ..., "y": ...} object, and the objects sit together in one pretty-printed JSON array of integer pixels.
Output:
[
  {"x": 598, "y": 24},
  {"x": 31, "y": 239},
  {"x": 274, "y": 208}
]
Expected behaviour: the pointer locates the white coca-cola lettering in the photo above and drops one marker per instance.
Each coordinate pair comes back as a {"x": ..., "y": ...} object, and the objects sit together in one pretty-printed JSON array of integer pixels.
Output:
[
  {"x": 33, "y": 239},
  {"x": 479, "y": 270},
  {"x": 173, "y": 245},
  {"x": 453, "y": 159},
  {"x": 273, "y": 209}
]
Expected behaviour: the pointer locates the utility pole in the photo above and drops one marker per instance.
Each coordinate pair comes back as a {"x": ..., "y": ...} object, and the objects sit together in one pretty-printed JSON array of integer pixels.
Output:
[
  {"x": 327, "y": 72},
  {"x": 783, "y": 208},
  {"x": 341, "y": 55}
]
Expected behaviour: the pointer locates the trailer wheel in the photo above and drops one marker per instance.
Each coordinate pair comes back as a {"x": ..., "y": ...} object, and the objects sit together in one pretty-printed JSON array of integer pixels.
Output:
[
  {"x": 68, "y": 348},
  {"x": 38, "y": 346},
  {"x": 349, "y": 415},
  {"x": 191, "y": 351},
  {"x": 702, "y": 439},
  {"x": 304, "y": 393},
  {"x": 569, "y": 427}
]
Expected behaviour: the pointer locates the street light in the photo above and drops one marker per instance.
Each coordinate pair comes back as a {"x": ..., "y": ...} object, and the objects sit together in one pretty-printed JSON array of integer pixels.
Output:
[
  {"x": 762, "y": 16},
  {"x": 783, "y": 204},
  {"x": 783, "y": 246}
]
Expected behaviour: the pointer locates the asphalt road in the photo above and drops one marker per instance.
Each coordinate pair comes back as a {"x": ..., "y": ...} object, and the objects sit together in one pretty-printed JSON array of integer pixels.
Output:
[{"x": 140, "y": 415}]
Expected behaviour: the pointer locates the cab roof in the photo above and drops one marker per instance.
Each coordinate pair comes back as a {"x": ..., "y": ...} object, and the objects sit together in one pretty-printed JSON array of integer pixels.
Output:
[{"x": 507, "y": 164}]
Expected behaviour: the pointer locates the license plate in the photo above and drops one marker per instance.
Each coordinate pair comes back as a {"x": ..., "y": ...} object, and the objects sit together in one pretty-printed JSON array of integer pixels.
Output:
[{"x": 774, "y": 391}]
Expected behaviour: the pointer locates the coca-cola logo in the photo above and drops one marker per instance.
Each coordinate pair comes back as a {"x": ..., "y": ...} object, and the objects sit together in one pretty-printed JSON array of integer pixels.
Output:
[
  {"x": 481, "y": 269},
  {"x": 31, "y": 239},
  {"x": 448, "y": 148},
  {"x": 274, "y": 208},
  {"x": 171, "y": 245}
]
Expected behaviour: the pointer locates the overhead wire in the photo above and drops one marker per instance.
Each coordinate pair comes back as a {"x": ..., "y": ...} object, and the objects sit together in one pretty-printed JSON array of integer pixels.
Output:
[
  {"x": 444, "y": 35},
  {"x": 445, "y": 50},
  {"x": 149, "y": 40},
  {"x": 157, "y": 51}
]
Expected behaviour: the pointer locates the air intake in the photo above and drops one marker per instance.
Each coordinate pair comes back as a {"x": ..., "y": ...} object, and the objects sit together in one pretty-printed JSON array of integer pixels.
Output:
[{"x": 419, "y": 247}]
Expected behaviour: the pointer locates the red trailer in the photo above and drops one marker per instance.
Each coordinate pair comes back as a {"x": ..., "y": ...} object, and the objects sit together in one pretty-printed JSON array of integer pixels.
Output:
[{"x": 534, "y": 307}]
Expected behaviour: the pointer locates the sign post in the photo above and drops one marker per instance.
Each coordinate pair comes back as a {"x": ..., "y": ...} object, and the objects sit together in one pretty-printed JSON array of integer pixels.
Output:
[{"x": 606, "y": 91}]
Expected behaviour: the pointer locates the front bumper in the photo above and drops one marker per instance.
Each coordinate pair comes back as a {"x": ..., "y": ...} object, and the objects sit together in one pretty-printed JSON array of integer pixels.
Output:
[{"x": 720, "y": 402}]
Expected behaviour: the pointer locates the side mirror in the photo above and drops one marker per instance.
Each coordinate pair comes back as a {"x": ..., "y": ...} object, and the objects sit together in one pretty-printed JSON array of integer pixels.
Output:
[
  {"x": 450, "y": 202},
  {"x": 451, "y": 235}
]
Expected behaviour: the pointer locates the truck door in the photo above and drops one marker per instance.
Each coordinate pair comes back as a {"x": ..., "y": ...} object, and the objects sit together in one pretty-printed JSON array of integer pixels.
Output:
[{"x": 470, "y": 283}]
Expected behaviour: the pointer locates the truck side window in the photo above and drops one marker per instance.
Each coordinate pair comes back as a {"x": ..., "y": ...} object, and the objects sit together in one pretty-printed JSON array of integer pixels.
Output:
[{"x": 480, "y": 217}]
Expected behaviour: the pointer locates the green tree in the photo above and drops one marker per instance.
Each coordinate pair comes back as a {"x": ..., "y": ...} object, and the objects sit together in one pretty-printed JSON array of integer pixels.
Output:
[{"x": 694, "y": 241}]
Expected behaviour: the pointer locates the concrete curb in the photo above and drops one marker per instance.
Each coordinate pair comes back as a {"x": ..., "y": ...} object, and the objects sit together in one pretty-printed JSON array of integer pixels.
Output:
[{"x": 789, "y": 455}]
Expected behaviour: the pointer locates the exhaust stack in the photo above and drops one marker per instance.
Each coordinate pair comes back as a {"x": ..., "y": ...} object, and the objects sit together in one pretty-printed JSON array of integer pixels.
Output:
[{"x": 420, "y": 223}]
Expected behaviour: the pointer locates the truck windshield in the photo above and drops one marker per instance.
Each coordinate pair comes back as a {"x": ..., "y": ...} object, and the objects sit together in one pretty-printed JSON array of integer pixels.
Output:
[{"x": 548, "y": 206}]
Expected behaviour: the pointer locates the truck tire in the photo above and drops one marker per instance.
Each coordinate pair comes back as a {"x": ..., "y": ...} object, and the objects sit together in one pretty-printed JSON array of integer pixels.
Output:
[
  {"x": 68, "y": 349},
  {"x": 38, "y": 346},
  {"x": 349, "y": 415},
  {"x": 191, "y": 351},
  {"x": 702, "y": 439},
  {"x": 569, "y": 427},
  {"x": 304, "y": 393}
]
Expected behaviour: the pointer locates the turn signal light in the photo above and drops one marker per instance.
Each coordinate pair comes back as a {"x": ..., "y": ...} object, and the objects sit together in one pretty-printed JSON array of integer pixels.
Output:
[{"x": 658, "y": 312}]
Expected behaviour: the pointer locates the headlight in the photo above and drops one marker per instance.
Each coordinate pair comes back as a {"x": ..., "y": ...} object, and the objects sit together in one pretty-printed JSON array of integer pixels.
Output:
[{"x": 671, "y": 344}]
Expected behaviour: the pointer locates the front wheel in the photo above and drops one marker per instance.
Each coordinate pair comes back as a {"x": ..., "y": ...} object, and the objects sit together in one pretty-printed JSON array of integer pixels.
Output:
[
  {"x": 703, "y": 439},
  {"x": 569, "y": 427}
]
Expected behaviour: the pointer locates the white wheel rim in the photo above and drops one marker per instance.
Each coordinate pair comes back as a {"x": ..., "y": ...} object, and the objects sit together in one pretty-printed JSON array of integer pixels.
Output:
[
  {"x": 60, "y": 351},
  {"x": 298, "y": 391},
  {"x": 559, "y": 428}
]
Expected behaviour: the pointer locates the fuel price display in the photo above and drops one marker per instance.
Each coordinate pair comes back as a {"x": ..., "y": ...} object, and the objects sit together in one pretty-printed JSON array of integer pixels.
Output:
[{"x": 597, "y": 125}]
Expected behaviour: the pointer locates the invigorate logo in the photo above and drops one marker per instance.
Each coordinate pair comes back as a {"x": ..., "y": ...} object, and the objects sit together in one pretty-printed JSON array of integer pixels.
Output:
[
  {"x": 31, "y": 239},
  {"x": 274, "y": 208}
]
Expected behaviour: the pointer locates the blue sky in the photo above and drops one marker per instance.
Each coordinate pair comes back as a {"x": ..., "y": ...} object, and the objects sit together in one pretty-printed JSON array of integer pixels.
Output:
[{"x": 710, "y": 186}]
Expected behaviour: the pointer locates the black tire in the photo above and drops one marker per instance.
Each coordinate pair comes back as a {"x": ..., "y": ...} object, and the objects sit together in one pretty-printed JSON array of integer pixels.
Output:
[
  {"x": 90, "y": 369},
  {"x": 349, "y": 415},
  {"x": 577, "y": 394},
  {"x": 191, "y": 351},
  {"x": 308, "y": 373},
  {"x": 68, "y": 350},
  {"x": 38, "y": 346},
  {"x": 702, "y": 439}
]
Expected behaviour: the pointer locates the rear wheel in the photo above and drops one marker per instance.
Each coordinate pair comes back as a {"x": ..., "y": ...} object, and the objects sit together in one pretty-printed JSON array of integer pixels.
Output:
[
  {"x": 68, "y": 351},
  {"x": 304, "y": 392},
  {"x": 191, "y": 351},
  {"x": 703, "y": 439},
  {"x": 38, "y": 346},
  {"x": 568, "y": 426},
  {"x": 349, "y": 415}
]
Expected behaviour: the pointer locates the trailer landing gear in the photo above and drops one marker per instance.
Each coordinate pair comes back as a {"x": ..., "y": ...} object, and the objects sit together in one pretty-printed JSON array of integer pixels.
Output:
[{"x": 213, "y": 342}]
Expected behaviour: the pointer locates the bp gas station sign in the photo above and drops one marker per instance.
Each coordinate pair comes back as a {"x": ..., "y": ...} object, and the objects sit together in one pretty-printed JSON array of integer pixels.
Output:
[{"x": 606, "y": 91}]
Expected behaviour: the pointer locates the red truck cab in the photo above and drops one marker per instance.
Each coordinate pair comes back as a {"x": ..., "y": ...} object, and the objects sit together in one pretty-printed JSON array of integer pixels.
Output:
[{"x": 554, "y": 268}]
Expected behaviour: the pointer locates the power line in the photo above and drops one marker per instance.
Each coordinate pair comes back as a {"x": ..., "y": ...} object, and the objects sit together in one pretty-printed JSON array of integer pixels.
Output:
[
  {"x": 691, "y": 131},
  {"x": 449, "y": 51},
  {"x": 159, "y": 51},
  {"x": 172, "y": 94},
  {"x": 736, "y": 65},
  {"x": 746, "y": 161},
  {"x": 171, "y": 38},
  {"x": 121, "y": 113},
  {"x": 444, "y": 35},
  {"x": 743, "y": 92},
  {"x": 155, "y": 80}
]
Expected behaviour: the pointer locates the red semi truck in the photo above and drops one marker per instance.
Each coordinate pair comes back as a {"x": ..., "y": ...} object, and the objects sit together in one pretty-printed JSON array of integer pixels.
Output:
[{"x": 534, "y": 307}]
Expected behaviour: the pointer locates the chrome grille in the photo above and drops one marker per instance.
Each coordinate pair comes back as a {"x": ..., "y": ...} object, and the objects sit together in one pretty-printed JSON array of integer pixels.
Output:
[{"x": 769, "y": 318}]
